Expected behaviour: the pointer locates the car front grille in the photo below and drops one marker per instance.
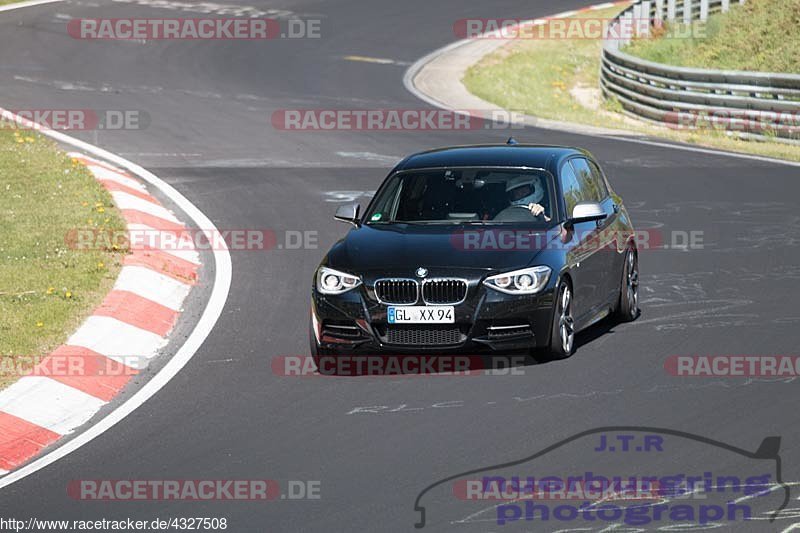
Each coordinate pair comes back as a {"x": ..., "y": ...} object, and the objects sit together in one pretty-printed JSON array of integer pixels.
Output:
[
  {"x": 444, "y": 291},
  {"x": 397, "y": 291},
  {"x": 424, "y": 335}
]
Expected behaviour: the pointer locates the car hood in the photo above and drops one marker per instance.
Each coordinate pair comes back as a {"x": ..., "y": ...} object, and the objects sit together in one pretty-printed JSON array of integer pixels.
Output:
[{"x": 400, "y": 248}]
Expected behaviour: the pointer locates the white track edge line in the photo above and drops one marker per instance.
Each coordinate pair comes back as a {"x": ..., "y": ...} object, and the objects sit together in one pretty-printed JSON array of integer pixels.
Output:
[
  {"x": 30, "y": 3},
  {"x": 211, "y": 313}
]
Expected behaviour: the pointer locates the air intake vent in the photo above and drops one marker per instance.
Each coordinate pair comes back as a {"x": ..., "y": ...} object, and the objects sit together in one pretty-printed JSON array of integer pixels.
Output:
[
  {"x": 342, "y": 331},
  {"x": 506, "y": 332},
  {"x": 423, "y": 335},
  {"x": 397, "y": 291},
  {"x": 444, "y": 291}
]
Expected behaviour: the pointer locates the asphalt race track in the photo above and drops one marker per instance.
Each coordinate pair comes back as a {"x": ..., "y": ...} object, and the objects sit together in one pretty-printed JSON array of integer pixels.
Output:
[{"x": 374, "y": 443}]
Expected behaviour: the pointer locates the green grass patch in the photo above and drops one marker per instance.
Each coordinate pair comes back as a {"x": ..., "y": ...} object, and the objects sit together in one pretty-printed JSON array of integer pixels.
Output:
[
  {"x": 759, "y": 35},
  {"x": 535, "y": 76},
  {"x": 47, "y": 288},
  {"x": 559, "y": 80}
]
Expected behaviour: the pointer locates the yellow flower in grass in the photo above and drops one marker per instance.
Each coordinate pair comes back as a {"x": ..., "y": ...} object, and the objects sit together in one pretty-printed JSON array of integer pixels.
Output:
[
  {"x": 40, "y": 324},
  {"x": 30, "y": 139},
  {"x": 68, "y": 294},
  {"x": 101, "y": 209},
  {"x": 100, "y": 264},
  {"x": 50, "y": 290}
]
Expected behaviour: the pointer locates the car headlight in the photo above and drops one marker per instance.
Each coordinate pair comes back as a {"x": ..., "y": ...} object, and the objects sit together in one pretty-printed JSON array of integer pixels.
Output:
[
  {"x": 526, "y": 281},
  {"x": 330, "y": 281}
]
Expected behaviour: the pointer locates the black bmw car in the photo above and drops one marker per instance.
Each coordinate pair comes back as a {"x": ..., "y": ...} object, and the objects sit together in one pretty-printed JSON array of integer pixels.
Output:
[{"x": 490, "y": 248}]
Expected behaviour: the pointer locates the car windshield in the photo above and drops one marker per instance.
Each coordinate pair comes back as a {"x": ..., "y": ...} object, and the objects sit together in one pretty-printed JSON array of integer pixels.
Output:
[{"x": 465, "y": 196}]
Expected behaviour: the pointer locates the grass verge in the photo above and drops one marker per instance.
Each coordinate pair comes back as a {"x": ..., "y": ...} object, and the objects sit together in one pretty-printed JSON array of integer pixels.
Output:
[
  {"x": 47, "y": 288},
  {"x": 559, "y": 79},
  {"x": 758, "y": 35}
]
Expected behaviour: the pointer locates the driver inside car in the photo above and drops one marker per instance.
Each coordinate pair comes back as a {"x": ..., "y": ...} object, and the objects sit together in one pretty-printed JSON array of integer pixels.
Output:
[{"x": 526, "y": 192}]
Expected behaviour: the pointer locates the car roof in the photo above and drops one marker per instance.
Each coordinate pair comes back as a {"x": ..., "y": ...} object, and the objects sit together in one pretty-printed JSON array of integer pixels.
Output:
[{"x": 492, "y": 155}]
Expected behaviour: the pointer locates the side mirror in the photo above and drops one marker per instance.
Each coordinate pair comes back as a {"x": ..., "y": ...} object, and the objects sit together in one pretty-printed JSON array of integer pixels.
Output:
[
  {"x": 585, "y": 212},
  {"x": 348, "y": 213}
]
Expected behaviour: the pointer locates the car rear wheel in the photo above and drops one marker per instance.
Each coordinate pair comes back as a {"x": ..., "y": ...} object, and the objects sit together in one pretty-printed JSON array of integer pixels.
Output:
[
  {"x": 562, "y": 336},
  {"x": 628, "y": 307}
]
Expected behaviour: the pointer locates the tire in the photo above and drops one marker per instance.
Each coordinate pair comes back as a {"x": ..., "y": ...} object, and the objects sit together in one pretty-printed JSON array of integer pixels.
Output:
[
  {"x": 628, "y": 306},
  {"x": 562, "y": 334}
]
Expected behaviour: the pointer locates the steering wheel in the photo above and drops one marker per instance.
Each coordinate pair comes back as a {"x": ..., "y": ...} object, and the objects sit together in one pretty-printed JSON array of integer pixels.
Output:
[{"x": 526, "y": 207}]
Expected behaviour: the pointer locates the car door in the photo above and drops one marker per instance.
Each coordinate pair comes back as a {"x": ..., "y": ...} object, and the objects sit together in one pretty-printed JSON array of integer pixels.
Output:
[
  {"x": 579, "y": 249},
  {"x": 595, "y": 238},
  {"x": 609, "y": 233}
]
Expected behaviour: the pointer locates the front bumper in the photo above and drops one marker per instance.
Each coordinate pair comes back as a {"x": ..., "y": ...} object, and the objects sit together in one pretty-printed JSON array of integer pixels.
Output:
[{"x": 487, "y": 321}]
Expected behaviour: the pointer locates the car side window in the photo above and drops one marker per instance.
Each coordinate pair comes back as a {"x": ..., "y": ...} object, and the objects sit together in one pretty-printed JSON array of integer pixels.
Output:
[
  {"x": 570, "y": 187},
  {"x": 600, "y": 179},
  {"x": 591, "y": 183}
]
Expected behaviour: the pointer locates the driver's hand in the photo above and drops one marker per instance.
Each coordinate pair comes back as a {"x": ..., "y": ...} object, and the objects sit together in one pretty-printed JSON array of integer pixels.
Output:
[{"x": 535, "y": 209}]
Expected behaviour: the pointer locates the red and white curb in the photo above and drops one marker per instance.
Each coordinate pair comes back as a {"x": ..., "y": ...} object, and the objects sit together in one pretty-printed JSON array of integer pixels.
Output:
[{"x": 124, "y": 333}]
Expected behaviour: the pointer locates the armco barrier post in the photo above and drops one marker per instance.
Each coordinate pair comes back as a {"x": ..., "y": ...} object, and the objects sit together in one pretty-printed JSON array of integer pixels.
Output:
[
  {"x": 613, "y": 41},
  {"x": 659, "y": 18},
  {"x": 726, "y": 5},
  {"x": 625, "y": 31},
  {"x": 643, "y": 22},
  {"x": 703, "y": 10},
  {"x": 687, "y": 11},
  {"x": 671, "y": 10}
]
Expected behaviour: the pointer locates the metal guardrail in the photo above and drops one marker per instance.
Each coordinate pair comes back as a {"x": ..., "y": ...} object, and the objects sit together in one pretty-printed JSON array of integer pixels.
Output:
[{"x": 755, "y": 105}]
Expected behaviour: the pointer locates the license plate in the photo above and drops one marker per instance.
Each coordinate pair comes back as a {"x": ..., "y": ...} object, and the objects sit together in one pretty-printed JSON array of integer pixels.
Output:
[{"x": 421, "y": 314}]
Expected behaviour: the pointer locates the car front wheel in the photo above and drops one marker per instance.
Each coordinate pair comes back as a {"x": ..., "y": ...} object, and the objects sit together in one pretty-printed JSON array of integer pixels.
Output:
[
  {"x": 628, "y": 307},
  {"x": 562, "y": 336}
]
